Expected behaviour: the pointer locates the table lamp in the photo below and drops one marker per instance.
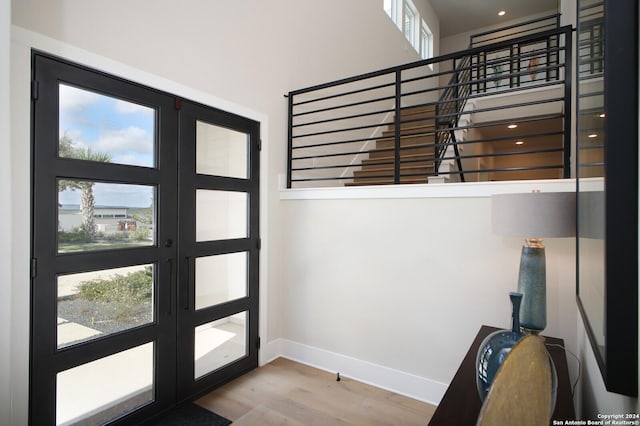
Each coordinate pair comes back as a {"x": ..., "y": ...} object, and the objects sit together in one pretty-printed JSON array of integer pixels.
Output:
[{"x": 533, "y": 215}]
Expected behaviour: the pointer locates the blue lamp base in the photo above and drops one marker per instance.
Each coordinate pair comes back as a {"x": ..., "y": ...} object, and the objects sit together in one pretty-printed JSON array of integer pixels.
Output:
[{"x": 532, "y": 284}]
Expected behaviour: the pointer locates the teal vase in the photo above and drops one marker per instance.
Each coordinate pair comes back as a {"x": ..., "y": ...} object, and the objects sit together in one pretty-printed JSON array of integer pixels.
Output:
[{"x": 532, "y": 284}]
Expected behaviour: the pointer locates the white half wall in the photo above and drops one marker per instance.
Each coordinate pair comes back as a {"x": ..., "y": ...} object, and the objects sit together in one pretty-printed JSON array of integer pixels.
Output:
[{"x": 406, "y": 283}]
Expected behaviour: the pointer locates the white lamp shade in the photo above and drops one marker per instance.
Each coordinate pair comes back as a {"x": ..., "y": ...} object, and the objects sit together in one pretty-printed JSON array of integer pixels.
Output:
[{"x": 534, "y": 214}]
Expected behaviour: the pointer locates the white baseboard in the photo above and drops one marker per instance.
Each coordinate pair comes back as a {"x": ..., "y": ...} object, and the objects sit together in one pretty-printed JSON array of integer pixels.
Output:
[{"x": 397, "y": 381}]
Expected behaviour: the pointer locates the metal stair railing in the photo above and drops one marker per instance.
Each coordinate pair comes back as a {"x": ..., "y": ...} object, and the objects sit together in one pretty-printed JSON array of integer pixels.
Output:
[
  {"x": 378, "y": 117},
  {"x": 448, "y": 111}
]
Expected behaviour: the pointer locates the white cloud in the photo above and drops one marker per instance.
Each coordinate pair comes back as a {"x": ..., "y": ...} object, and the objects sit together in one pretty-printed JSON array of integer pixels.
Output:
[
  {"x": 73, "y": 99},
  {"x": 130, "y": 139},
  {"x": 125, "y": 107}
]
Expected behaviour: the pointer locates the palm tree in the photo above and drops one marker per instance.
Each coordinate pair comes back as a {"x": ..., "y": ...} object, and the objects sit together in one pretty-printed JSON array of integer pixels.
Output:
[{"x": 87, "y": 201}]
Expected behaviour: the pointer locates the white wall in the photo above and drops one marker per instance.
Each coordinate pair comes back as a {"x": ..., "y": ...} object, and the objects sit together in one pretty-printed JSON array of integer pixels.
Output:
[
  {"x": 406, "y": 283},
  {"x": 241, "y": 56},
  {"x": 5, "y": 214}
]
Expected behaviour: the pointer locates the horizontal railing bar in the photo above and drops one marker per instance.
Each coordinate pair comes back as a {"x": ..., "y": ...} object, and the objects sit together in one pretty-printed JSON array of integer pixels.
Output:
[
  {"x": 435, "y": 74},
  {"x": 372, "y": 151},
  {"x": 353, "y": 92},
  {"x": 346, "y": 117},
  {"x": 489, "y": 79},
  {"x": 510, "y": 137},
  {"x": 591, "y": 94},
  {"x": 504, "y": 169},
  {"x": 428, "y": 145},
  {"x": 340, "y": 154},
  {"x": 383, "y": 176},
  {"x": 586, "y": 75},
  {"x": 529, "y": 31},
  {"x": 590, "y": 147},
  {"x": 341, "y": 130},
  {"x": 508, "y": 90},
  {"x": 504, "y": 154},
  {"x": 584, "y": 60},
  {"x": 475, "y": 65},
  {"x": 590, "y": 129},
  {"x": 518, "y": 105},
  {"x": 591, "y": 5},
  {"x": 386, "y": 98},
  {"x": 591, "y": 41},
  {"x": 346, "y": 141},
  {"x": 585, "y": 22},
  {"x": 328, "y": 167},
  {"x": 435, "y": 60},
  {"x": 510, "y": 121},
  {"x": 532, "y": 21},
  {"x": 477, "y": 95}
]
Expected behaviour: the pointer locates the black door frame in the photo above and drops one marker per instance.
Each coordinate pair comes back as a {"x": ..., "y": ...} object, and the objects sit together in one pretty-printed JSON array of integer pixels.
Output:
[{"x": 45, "y": 359}]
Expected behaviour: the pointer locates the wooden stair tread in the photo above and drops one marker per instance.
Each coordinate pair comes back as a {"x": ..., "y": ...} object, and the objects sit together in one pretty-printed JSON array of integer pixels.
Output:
[
  {"x": 408, "y": 152},
  {"x": 389, "y": 160},
  {"x": 417, "y": 133},
  {"x": 390, "y": 166},
  {"x": 417, "y": 110},
  {"x": 413, "y": 125},
  {"x": 409, "y": 144}
]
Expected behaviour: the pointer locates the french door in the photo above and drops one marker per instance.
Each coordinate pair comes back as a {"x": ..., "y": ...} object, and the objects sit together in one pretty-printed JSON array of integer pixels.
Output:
[{"x": 145, "y": 247}]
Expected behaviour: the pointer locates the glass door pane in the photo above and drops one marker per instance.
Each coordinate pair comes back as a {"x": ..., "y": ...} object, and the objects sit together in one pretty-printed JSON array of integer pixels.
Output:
[
  {"x": 220, "y": 215},
  {"x": 99, "y": 391},
  {"x": 220, "y": 278},
  {"x": 101, "y": 128},
  {"x": 221, "y": 151},
  {"x": 220, "y": 342},
  {"x": 104, "y": 216},
  {"x": 96, "y": 304}
]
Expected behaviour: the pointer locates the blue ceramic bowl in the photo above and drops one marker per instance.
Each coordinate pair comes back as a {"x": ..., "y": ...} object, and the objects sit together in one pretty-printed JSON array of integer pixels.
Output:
[{"x": 493, "y": 350}]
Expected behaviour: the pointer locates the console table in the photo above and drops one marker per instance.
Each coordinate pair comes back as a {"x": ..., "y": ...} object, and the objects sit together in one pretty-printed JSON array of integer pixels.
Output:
[{"x": 461, "y": 404}]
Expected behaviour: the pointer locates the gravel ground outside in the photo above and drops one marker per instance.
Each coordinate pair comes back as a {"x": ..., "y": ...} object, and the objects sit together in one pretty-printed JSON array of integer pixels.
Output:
[{"x": 105, "y": 317}]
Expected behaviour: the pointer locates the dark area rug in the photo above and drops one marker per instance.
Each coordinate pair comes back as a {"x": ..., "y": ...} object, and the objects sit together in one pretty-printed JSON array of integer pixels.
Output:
[{"x": 190, "y": 414}]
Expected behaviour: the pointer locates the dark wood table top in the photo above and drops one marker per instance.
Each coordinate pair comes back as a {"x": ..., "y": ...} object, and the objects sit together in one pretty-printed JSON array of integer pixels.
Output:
[{"x": 461, "y": 403}]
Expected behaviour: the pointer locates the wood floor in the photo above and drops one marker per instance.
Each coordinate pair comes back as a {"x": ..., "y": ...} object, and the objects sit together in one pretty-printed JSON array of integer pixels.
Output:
[{"x": 288, "y": 393}]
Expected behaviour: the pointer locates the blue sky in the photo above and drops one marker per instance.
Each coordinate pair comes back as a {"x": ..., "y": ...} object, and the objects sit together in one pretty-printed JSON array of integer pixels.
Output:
[{"x": 122, "y": 129}]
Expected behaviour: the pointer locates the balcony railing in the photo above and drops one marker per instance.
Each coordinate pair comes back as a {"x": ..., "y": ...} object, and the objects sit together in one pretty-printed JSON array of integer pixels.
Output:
[
  {"x": 441, "y": 119},
  {"x": 520, "y": 29}
]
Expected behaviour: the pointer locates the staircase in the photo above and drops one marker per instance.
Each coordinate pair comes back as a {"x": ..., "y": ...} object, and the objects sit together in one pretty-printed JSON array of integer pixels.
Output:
[{"x": 417, "y": 159}]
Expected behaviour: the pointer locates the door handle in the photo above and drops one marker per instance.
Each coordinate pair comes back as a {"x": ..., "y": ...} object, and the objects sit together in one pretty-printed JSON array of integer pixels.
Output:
[
  {"x": 170, "y": 289},
  {"x": 185, "y": 285}
]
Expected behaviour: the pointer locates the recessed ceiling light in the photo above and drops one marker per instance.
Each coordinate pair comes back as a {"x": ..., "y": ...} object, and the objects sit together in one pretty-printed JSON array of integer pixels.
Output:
[
  {"x": 519, "y": 142},
  {"x": 593, "y": 135},
  {"x": 602, "y": 115},
  {"x": 502, "y": 13},
  {"x": 512, "y": 126}
]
